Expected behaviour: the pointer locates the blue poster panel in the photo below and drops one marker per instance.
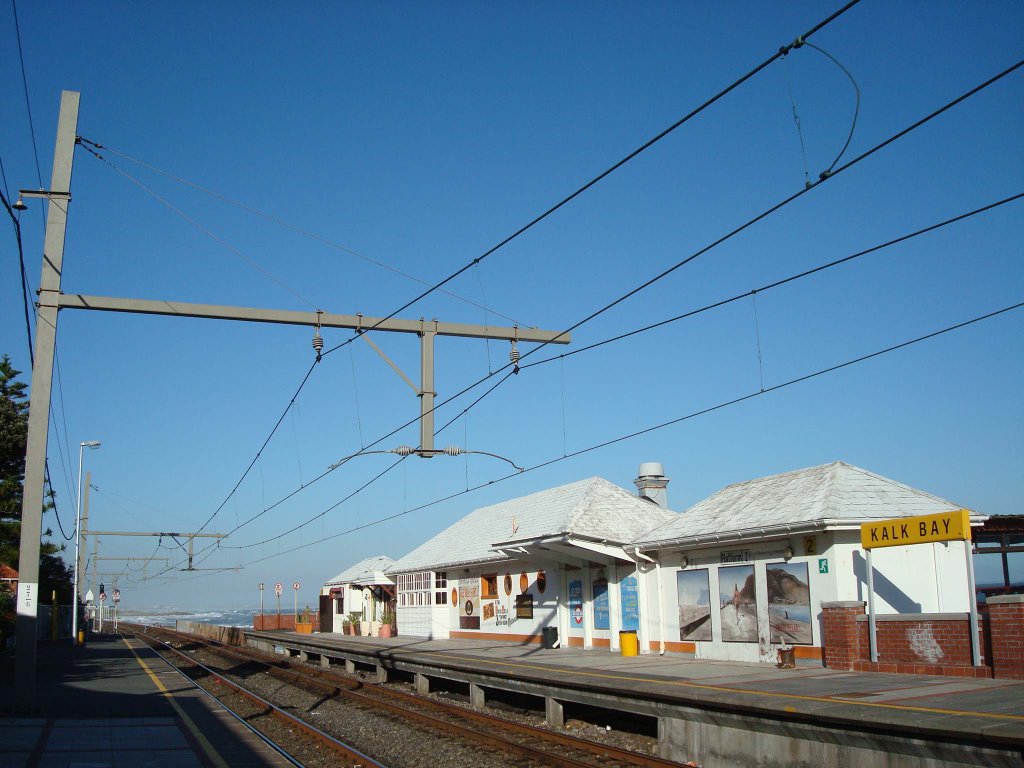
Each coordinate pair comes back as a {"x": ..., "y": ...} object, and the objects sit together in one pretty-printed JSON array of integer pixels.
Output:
[
  {"x": 601, "y": 618},
  {"x": 576, "y": 603},
  {"x": 630, "y": 604}
]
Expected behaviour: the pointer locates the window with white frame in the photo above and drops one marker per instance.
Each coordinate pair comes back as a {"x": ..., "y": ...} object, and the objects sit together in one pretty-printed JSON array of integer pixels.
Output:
[
  {"x": 441, "y": 585},
  {"x": 414, "y": 588}
]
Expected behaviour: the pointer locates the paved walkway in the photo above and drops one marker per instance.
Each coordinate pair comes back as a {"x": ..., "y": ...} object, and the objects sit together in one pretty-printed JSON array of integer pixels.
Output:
[
  {"x": 114, "y": 702},
  {"x": 975, "y": 709}
]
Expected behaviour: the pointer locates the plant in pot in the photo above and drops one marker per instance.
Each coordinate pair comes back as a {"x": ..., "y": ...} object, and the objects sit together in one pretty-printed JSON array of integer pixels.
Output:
[
  {"x": 353, "y": 622},
  {"x": 387, "y": 626},
  {"x": 303, "y": 622}
]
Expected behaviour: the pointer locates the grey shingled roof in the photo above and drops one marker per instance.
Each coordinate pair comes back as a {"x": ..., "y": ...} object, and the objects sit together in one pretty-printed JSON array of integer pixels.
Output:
[
  {"x": 594, "y": 508},
  {"x": 363, "y": 572},
  {"x": 834, "y": 492}
]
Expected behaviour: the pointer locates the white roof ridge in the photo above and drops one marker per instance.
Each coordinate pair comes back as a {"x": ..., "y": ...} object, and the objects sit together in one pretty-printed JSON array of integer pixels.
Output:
[{"x": 584, "y": 501}]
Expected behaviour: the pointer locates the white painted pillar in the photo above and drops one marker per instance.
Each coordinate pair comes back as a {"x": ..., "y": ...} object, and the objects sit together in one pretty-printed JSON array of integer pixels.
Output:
[
  {"x": 642, "y": 633},
  {"x": 614, "y": 606},
  {"x": 563, "y": 607},
  {"x": 588, "y": 607}
]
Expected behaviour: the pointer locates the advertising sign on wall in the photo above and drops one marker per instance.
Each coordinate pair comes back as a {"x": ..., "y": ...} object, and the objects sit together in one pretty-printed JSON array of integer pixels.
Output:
[
  {"x": 694, "y": 597},
  {"x": 601, "y": 618},
  {"x": 469, "y": 604},
  {"x": 789, "y": 603},
  {"x": 630, "y": 604},
  {"x": 576, "y": 602},
  {"x": 737, "y": 602}
]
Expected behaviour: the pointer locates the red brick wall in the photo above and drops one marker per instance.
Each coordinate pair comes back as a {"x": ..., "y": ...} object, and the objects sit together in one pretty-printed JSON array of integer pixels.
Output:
[
  {"x": 920, "y": 645},
  {"x": 269, "y": 621},
  {"x": 1006, "y": 617}
]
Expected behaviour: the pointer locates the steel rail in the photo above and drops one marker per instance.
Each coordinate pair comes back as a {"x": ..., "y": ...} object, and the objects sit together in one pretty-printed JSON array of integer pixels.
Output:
[
  {"x": 330, "y": 683},
  {"x": 350, "y": 755}
]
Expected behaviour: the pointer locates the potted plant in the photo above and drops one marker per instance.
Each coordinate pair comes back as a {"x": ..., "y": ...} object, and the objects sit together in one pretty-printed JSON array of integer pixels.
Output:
[
  {"x": 353, "y": 622},
  {"x": 303, "y": 622},
  {"x": 387, "y": 627}
]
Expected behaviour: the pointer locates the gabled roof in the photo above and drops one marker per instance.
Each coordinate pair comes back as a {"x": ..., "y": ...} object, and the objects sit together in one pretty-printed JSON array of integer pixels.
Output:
[
  {"x": 366, "y": 572},
  {"x": 830, "y": 494},
  {"x": 593, "y": 508},
  {"x": 7, "y": 573}
]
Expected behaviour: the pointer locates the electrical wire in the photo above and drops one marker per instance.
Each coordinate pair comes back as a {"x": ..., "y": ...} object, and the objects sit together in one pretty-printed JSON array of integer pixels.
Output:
[
  {"x": 769, "y": 211},
  {"x": 204, "y": 229},
  {"x": 24, "y": 82},
  {"x": 784, "y": 50},
  {"x": 661, "y": 425},
  {"x": 856, "y": 108},
  {"x": 293, "y": 227},
  {"x": 676, "y": 318},
  {"x": 778, "y": 283}
]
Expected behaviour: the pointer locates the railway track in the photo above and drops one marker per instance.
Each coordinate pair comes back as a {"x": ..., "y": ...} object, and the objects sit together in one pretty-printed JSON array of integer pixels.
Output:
[{"x": 517, "y": 743}]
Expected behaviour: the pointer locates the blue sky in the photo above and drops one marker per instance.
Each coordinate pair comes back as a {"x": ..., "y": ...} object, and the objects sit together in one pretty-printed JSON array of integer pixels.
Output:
[{"x": 422, "y": 134}]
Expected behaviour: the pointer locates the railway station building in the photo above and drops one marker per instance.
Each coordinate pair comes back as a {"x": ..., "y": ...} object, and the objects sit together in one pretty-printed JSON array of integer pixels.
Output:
[
  {"x": 734, "y": 577},
  {"x": 554, "y": 563},
  {"x": 363, "y": 589}
]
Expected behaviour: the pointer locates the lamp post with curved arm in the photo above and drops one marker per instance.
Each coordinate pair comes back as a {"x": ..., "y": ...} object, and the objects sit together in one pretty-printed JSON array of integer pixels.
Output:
[{"x": 92, "y": 444}]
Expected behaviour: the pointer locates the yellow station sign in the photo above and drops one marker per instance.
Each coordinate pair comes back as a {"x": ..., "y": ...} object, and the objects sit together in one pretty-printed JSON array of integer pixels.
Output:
[{"x": 923, "y": 529}]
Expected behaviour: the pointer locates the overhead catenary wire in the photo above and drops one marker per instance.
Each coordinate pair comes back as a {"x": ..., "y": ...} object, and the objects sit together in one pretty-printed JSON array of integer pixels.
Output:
[
  {"x": 714, "y": 305},
  {"x": 782, "y": 51},
  {"x": 662, "y": 425},
  {"x": 769, "y": 211}
]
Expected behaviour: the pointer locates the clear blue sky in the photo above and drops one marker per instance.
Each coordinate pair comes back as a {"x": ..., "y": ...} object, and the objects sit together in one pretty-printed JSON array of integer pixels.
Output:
[{"x": 421, "y": 134}]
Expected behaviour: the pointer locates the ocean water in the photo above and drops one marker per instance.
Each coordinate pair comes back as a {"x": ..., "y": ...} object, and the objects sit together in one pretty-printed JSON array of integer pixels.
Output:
[{"x": 167, "y": 617}]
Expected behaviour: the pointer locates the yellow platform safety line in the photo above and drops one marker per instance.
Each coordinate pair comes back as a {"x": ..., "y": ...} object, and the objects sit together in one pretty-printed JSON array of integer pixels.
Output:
[
  {"x": 723, "y": 688},
  {"x": 204, "y": 743}
]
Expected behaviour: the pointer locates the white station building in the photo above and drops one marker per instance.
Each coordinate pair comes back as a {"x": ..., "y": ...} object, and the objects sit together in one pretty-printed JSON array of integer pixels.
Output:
[{"x": 735, "y": 576}]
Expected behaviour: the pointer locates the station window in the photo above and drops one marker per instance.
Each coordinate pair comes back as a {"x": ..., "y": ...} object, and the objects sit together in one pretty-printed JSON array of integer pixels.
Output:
[
  {"x": 489, "y": 585},
  {"x": 415, "y": 588}
]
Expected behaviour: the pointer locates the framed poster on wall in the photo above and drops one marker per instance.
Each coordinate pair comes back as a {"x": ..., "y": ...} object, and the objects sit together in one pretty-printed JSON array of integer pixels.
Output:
[
  {"x": 737, "y": 601},
  {"x": 789, "y": 603},
  {"x": 469, "y": 604},
  {"x": 694, "y": 600},
  {"x": 601, "y": 617}
]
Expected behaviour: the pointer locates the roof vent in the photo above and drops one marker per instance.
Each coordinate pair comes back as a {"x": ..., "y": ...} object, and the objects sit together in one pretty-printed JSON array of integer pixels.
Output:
[{"x": 652, "y": 484}]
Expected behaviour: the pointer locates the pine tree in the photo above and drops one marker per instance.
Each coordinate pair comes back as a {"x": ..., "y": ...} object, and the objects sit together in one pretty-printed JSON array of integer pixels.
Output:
[{"x": 54, "y": 574}]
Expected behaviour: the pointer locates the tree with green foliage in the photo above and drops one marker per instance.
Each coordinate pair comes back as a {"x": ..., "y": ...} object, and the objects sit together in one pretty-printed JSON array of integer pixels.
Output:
[{"x": 54, "y": 574}]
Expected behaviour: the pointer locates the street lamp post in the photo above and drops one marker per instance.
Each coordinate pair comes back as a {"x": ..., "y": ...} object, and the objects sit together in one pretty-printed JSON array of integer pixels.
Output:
[{"x": 92, "y": 444}]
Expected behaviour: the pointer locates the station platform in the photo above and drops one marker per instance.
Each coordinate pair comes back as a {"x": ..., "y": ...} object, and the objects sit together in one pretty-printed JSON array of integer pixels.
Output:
[
  {"x": 951, "y": 721},
  {"x": 114, "y": 702}
]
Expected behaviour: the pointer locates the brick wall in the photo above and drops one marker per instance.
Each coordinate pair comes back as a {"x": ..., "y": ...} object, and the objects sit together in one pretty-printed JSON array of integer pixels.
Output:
[
  {"x": 1006, "y": 618},
  {"x": 269, "y": 621},
  {"x": 923, "y": 644}
]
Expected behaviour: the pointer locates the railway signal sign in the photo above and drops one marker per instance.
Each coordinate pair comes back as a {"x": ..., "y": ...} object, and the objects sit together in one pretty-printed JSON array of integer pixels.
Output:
[
  {"x": 117, "y": 595},
  {"x": 296, "y": 586},
  {"x": 278, "y": 588}
]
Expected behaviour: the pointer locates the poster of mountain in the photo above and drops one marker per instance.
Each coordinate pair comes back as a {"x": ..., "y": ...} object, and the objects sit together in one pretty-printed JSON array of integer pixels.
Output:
[
  {"x": 789, "y": 603},
  {"x": 694, "y": 598}
]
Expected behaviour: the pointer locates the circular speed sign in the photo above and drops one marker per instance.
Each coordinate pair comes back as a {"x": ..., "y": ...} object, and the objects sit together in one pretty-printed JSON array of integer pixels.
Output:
[
  {"x": 277, "y": 588},
  {"x": 296, "y": 586}
]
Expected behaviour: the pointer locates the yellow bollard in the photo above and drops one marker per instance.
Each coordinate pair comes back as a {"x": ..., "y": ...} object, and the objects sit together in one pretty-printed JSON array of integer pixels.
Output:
[
  {"x": 628, "y": 644},
  {"x": 81, "y": 637}
]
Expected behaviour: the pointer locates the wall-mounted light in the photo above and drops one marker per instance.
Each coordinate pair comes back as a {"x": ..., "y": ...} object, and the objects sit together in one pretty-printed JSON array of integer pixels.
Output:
[
  {"x": 684, "y": 561},
  {"x": 787, "y": 553}
]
